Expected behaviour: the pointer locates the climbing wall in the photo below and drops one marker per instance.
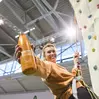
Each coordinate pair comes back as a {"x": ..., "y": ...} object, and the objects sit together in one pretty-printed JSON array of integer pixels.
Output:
[{"x": 87, "y": 15}]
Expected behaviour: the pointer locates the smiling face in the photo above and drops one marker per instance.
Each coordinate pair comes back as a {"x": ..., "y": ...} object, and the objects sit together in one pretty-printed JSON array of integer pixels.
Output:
[{"x": 50, "y": 53}]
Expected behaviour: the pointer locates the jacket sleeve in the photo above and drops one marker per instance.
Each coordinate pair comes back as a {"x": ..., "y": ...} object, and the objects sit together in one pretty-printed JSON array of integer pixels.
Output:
[{"x": 42, "y": 68}]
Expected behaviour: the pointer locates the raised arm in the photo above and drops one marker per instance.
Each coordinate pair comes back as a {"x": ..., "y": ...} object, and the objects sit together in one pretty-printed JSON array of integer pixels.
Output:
[
  {"x": 41, "y": 68},
  {"x": 30, "y": 64}
]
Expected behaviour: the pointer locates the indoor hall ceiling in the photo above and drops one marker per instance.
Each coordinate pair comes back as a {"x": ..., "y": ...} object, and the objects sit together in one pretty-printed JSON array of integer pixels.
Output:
[{"x": 45, "y": 17}]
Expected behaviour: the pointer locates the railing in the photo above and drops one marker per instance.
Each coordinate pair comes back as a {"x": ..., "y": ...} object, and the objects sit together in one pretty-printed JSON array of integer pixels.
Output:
[{"x": 64, "y": 53}]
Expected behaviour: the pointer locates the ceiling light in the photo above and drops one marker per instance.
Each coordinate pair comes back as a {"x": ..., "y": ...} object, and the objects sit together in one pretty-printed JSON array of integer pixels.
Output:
[
  {"x": 52, "y": 39},
  {"x": 71, "y": 32},
  {"x": 25, "y": 32},
  {"x": 29, "y": 30},
  {"x": 32, "y": 29},
  {"x": 0, "y": 0},
  {"x": 1, "y": 22},
  {"x": 16, "y": 36}
]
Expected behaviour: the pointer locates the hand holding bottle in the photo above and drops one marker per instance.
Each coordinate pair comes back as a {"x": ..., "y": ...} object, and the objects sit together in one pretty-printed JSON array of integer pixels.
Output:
[{"x": 25, "y": 55}]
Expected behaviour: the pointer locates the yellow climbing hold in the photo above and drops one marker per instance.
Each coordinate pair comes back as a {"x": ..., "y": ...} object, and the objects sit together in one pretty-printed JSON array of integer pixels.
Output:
[{"x": 95, "y": 37}]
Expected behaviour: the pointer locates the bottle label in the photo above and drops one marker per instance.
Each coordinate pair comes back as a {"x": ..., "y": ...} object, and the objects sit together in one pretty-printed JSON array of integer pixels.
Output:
[
  {"x": 26, "y": 52},
  {"x": 27, "y": 55}
]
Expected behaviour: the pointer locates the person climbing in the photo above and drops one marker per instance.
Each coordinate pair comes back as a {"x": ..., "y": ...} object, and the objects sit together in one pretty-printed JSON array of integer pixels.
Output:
[{"x": 56, "y": 77}]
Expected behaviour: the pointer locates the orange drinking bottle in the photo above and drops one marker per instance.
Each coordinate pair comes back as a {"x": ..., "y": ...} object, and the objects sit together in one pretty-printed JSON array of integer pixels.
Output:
[{"x": 27, "y": 58}]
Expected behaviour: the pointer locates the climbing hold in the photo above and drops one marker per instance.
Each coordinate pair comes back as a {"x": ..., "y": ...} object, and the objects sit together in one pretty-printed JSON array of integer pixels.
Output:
[
  {"x": 95, "y": 37},
  {"x": 90, "y": 16},
  {"x": 85, "y": 27},
  {"x": 95, "y": 67},
  {"x": 80, "y": 11},
  {"x": 93, "y": 49},
  {"x": 78, "y": 0},
  {"x": 89, "y": 37},
  {"x": 89, "y": 0},
  {"x": 97, "y": 6}
]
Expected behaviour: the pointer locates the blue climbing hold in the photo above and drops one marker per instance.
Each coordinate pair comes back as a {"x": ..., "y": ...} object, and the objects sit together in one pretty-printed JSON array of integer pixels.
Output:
[
  {"x": 89, "y": 16},
  {"x": 89, "y": 37}
]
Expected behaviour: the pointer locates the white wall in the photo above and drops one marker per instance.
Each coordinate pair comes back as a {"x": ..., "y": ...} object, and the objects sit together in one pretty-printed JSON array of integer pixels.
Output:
[{"x": 40, "y": 95}]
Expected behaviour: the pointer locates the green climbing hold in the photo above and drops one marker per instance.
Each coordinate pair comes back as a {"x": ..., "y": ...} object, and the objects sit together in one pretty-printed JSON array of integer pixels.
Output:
[
  {"x": 93, "y": 49},
  {"x": 89, "y": 0}
]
